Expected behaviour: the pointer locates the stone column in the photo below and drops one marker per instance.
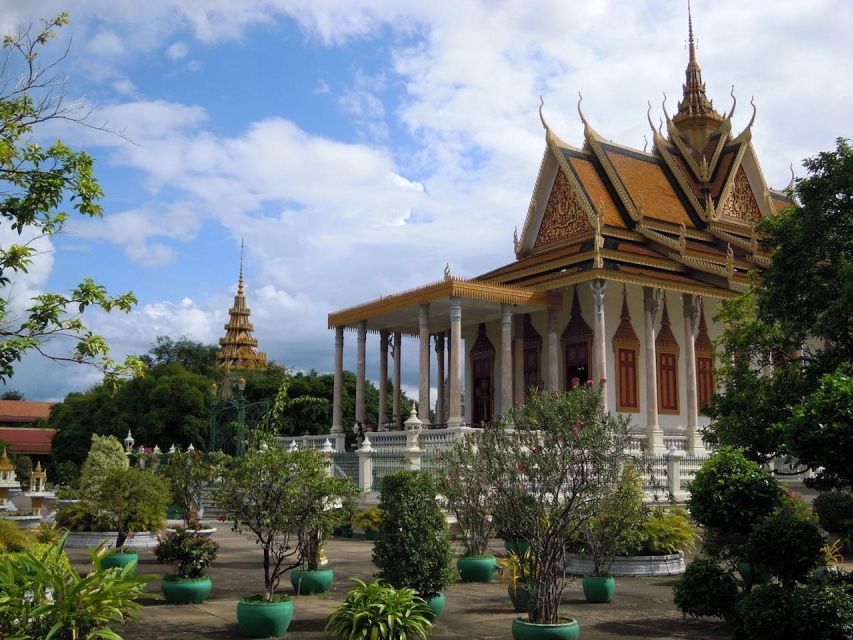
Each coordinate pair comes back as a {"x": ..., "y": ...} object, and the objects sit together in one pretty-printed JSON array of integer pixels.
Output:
[
  {"x": 398, "y": 364},
  {"x": 360, "y": 373},
  {"x": 651, "y": 306},
  {"x": 599, "y": 353},
  {"x": 506, "y": 359},
  {"x": 440, "y": 416},
  {"x": 455, "y": 386},
  {"x": 691, "y": 320},
  {"x": 518, "y": 348},
  {"x": 337, "y": 405},
  {"x": 423, "y": 386},
  {"x": 552, "y": 372},
  {"x": 383, "y": 379}
]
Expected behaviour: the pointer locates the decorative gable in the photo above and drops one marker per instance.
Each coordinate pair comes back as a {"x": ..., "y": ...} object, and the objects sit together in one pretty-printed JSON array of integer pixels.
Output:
[
  {"x": 564, "y": 216},
  {"x": 741, "y": 203}
]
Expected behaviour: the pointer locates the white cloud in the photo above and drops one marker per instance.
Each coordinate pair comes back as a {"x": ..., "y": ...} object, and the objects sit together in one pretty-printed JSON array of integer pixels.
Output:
[{"x": 177, "y": 50}]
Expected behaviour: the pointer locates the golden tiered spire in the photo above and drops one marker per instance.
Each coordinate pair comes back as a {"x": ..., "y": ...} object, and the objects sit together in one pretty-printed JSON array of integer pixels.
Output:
[{"x": 239, "y": 350}]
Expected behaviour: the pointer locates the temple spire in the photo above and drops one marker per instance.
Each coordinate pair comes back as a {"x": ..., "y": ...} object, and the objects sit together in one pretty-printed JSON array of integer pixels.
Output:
[{"x": 240, "y": 280}]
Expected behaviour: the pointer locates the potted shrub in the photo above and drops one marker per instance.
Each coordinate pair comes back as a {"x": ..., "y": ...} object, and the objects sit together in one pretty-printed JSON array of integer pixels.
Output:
[
  {"x": 368, "y": 520},
  {"x": 379, "y": 611},
  {"x": 187, "y": 474},
  {"x": 345, "y": 513},
  {"x": 563, "y": 451},
  {"x": 190, "y": 555},
  {"x": 413, "y": 548},
  {"x": 270, "y": 493},
  {"x": 469, "y": 499},
  {"x": 517, "y": 571},
  {"x": 614, "y": 530}
]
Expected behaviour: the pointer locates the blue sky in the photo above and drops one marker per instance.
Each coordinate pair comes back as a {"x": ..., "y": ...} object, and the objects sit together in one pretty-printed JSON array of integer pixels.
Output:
[{"x": 360, "y": 145}]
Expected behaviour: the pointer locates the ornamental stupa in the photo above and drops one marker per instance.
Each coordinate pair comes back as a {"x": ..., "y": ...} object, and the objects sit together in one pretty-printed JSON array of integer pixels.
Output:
[{"x": 239, "y": 350}]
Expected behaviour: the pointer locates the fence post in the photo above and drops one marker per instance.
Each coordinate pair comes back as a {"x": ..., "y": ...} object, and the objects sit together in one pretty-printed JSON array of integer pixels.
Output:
[
  {"x": 365, "y": 465},
  {"x": 328, "y": 462},
  {"x": 673, "y": 471},
  {"x": 412, "y": 451}
]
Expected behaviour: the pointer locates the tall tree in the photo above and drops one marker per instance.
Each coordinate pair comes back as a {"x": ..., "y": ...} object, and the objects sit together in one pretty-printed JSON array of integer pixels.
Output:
[
  {"x": 787, "y": 346},
  {"x": 35, "y": 183},
  {"x": 195, "y": 357}
]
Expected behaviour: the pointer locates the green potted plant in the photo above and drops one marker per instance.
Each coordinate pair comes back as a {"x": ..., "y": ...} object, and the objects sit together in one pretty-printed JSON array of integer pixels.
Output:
[
  {"x": 271, "y": 493},
  {"x": 413, "y": 547},
  {"x": 190, "y": 555},
  {"x": 187, "y": 473},
  {"x": 614, "y": 530},
  {"x": 345, "y": 513},
  {"x": 380, "y": 612},
  {"x": 368, "y": 520},
  {"x": 517, "y": 571},
  {"x": 470, "y": 500},
  {"x": 563, "y": 450}
]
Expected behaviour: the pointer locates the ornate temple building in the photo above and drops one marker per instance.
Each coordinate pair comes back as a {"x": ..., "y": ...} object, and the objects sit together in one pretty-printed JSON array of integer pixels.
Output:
[
  {"x": 239, "y": 350},
  {"x": 621, "y": 262}
]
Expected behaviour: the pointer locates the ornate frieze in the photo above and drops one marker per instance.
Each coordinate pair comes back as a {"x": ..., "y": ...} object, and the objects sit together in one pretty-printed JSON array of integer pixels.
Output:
[
  {"x": 741, "y": 201},
  {"x": 564, "y": 216}
]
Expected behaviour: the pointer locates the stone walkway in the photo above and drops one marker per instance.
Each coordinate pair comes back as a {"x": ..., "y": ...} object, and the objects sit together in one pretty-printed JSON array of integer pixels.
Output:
[{"x": 642, "y": 607}]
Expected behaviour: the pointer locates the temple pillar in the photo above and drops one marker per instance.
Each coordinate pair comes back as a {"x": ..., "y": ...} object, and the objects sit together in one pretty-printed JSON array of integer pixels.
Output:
[
  {"x": 398, "y": 366},
  {"x": 360, "y": 372},
  {"x": 654, "y": 434},
  {"x": 506, "y": 359},
  {"x": 553, "y": 351},
  {"x": 423, "y": 386},
  {"x": 337, "y": 405},
  {"x": 440, "y": 416},
  {"x": 455, "y": 385},
  {"x": 518, "y": 362},
  {"x": 383, "y": 379},
  {"x": 691, "y": 321},
  {"x": 598, "y": 372}
]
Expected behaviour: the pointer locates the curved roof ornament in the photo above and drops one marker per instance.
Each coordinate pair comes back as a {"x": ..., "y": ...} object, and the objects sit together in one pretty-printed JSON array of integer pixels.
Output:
[
  {"x": 645, "y": 143},
  {"x": 580, "y": 111},
  {"x": 649, "y": 116},
  {"x": 790, "y": 187},
  {"x": 541, "y": 115},
  {"x": 660, "y": 126},
  {"x": 754, "y": 111},
  {"x": 664, "y": 108},
  {"x": 734, "y": 102}
]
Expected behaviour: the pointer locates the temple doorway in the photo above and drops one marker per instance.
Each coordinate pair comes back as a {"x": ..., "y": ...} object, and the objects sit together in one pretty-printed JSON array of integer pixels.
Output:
[{"x": 482, "y": 364}]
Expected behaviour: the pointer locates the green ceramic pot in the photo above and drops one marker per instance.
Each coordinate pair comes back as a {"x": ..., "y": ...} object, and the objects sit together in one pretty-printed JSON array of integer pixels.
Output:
[
  {"x": 568, "y": 630},
  {"x": 436, "y": 602},
  {"x": 120, "y": 559},
  {"x": 186, "y": 590},
  {"x": 599, "y": 588},
  {"x": 477, "y": 568},
  {"x": 346, "y": 532},
  {"x": 259, "y": 619},
  {"x": 306, "y": 583},
  {"x": 371, "y": 534}
]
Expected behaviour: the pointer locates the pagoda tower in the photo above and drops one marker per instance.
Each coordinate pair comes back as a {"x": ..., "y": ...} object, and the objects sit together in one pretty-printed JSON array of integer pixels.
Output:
[{"x": 239, "y": 350}]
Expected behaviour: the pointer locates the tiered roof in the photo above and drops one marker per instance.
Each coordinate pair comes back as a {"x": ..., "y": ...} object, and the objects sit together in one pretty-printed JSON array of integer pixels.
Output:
[
  {"x": 239, "y": 349},
  {"x": 681, "y": 216}
]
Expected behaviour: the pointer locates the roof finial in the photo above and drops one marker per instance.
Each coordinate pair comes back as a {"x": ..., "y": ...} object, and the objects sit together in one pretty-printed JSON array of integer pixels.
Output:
[
  {"x": 541, "y": 116},
  {"x": 580, "y": 111},
  {"x": 734, "y": 102},
  {"x": 240, "y": 280},
  {"x": 690, "y": 41}
]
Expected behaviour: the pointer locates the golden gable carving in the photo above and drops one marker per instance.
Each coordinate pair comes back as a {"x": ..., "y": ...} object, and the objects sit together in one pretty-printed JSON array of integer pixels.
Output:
[
  {"x": 741, "y": 202},
  {"x": 564, "y": 217}
]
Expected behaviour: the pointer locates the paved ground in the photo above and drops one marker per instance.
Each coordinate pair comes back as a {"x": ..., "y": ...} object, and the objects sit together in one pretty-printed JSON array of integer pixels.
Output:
[{"x": 642, "y": 607}]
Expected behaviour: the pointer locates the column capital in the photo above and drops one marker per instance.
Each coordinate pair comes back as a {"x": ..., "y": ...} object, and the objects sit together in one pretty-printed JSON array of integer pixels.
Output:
[
  {"x": 692, "y": 308},
  {"x": 652, "y": 297},
  {"x": 339, "y": 336},
  {"x": 598, "y": 286}
]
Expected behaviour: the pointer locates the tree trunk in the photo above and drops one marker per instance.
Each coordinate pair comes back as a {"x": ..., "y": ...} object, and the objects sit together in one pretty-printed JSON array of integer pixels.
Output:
[{"x": 267, "y": 581}]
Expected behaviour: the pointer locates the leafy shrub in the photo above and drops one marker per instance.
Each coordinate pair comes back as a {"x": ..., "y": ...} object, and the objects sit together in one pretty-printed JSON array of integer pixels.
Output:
[
  {"x": 766, "y": 614},
  {"x": 667, "y": 531},
  {"x": 106, "y": 454},
  {"x": 12, "y": 537},
  {"x": 189, "y": 553},
  {"x": 187, "y": 474},
  {"x": 706, "y": 589},
  {"x": 44, "y": 596},
  {"x": 834, "y": 510},
  {"x": 81, "y": 517},
  {"x": 787, "y": 543},
  {"x": 413, "y": 549},
  {"x": 367, "y": 519},
  {"x": 823, "y": 611},
  {"x": 731, "y": 493},
  {"x": 46, "y": 532},
  {"x": 378, "y": 611}
]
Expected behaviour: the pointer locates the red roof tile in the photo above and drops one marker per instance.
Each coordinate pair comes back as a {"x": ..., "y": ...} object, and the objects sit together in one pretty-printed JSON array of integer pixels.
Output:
[
  {"x": 27, "y": 440},
  {"x": 24, "y": 411}
]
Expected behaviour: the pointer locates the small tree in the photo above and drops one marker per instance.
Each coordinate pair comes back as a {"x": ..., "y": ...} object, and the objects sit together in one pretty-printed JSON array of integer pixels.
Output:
[
  {"x": 276, "y": 496},
  {"x": 566, "y": 454},
  {"x": 106, "y": 454},
  {"x": 413, "y": 548},
  {"x": 187, "y": 473},
  {"x": 131, "y": 500}
]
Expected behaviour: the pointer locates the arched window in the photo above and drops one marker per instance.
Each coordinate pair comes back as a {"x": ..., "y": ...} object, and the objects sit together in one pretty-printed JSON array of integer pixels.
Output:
[
  {"x": 666, "y": 348},
  {"x": 577, "y": 345},
  {"x": 704, "y": 365},
  {"x": 626, "y": 348}
]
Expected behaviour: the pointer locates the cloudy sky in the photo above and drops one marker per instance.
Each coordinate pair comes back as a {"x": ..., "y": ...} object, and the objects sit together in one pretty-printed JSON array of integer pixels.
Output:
[{"x": 359, "y": 145}]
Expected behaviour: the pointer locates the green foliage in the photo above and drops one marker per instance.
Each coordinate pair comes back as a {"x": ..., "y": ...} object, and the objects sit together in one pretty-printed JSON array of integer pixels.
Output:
[
  {"x": 378, "y": 611},
  {"x": 34, "y": 182},
  {"x": 706, "y": 589},
  {"x": 564, "y": 453},
  {"x": 13, "y": 537},
  {"x": 469, "y": 498},
  {"x": 667, "y": 531},
  {"x": 45, "y": 597},
  {"x": 367, "y": 519},
  {"x": 189, "y": 553},
  {"x": 787, "y": 543},
  {"x": 280, "y": 498},
  {"x": 731, "y": 493},
  {"x": 834, "y": 510},
  {"x": 187, "y": 473},
  {"x": 194, "y": 357},
  {"x": 413, "y": 548},
  {"x": 131, "y": 500},
  {"x": 81, "y": 517},
  {"x": 23, "y": 469},
  {"x": 106, "y": 454},
  {"x": 617, "y": 527},
  {"x": 823, "y": 610},
  {"x": 765, "y": 614},
  {"x": 64, "y": 473},
  {"x": 46, "y": 532}
]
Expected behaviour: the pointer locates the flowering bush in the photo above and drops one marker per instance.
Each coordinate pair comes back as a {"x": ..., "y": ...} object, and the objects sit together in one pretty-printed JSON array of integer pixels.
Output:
[{"x": 189, "y": 553}]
